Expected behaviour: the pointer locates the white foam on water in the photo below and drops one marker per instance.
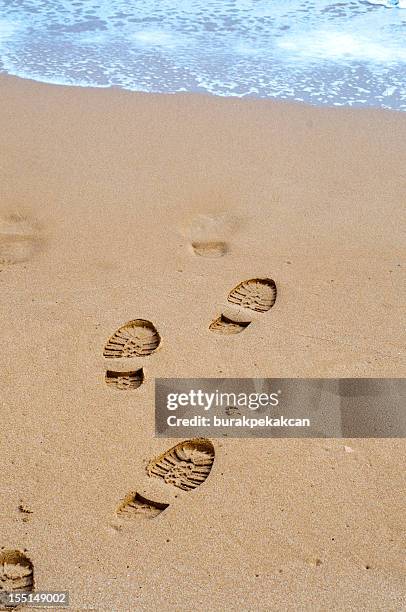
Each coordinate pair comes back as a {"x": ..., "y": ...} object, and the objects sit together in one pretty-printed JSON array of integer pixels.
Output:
[
  {"x": 389, "y": 3},
  {"x": 155, "y": 38},
  {"x": 7, "y": 30},
  {"x": 338, "y": 46},
  {"x": 316, "y": 51}
]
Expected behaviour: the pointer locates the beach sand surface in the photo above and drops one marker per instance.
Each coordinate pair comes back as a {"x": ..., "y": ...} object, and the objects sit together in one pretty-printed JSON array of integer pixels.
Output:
[{"x": 117, "y": 206}]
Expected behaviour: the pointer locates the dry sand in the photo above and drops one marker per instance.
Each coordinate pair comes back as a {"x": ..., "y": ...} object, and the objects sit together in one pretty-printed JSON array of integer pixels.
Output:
[{"x": 102, "y": 194}]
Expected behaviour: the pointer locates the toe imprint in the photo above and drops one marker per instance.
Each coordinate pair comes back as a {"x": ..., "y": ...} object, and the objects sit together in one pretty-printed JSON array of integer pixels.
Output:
[
  {"x": 186, "y": 465},
  {"x": 16, "y": 571},
  {"x": 125, "y": 380},
  {"x": 257, "y": 294},
  {"x": 137, "y": 338},
  {"x": 134, "y": 505},
  {"x": 224, "y": 325}
]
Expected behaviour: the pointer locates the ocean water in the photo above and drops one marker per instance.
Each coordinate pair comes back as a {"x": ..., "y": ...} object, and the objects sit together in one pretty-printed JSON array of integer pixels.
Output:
[{"x": 349, "y": 53}]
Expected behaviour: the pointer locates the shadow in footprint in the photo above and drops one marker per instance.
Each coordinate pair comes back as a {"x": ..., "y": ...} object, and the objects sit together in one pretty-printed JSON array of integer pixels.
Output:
[
  {"x": 186, "y": 465},
  {"x": 224, "y": 325},
  {"x": 212, "y": 250},
  {"x": 255, "y": 294},
  {"x": 135, "y": 505},
  {"x": 125, "y": 381}
]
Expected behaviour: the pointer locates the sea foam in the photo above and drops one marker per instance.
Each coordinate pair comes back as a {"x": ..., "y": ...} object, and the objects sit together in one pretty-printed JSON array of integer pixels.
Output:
[{"x": 316, "y": 51}]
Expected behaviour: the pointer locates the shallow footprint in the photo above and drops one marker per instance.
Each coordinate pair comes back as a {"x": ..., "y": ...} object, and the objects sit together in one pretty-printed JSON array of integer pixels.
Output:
[
  {"x": 257, "y": 294},
  {"x": 125, "y": 380},
  {"x": 137, "y": 338},
  {"x": 186, "y": 465},
  {"x": 211, "y": 250},
  {"x": 19, "y": 239},
  {"x": 15, "y": 250},
  {"x": 16, "y": 572},
  {"x": 224, "y": 325},
  {"x": 208, "y": 234}
]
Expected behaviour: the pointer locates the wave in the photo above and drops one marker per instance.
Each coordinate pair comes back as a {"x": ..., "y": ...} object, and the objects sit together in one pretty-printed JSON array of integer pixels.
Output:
[{"x": 313, "y": 51}]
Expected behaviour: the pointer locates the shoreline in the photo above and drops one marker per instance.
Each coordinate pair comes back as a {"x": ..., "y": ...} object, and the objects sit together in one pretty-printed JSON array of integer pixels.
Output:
[{"x": 204, "y": 94}]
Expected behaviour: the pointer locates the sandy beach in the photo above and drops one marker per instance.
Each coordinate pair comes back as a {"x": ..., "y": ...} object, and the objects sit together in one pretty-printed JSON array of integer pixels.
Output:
[{"x": 117, "y": 206}]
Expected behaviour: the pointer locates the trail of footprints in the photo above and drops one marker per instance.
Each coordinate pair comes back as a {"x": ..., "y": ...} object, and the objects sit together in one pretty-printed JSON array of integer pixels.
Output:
[
  {"x": 187, "y": 464},
  {"x": 140, "y": 337}
]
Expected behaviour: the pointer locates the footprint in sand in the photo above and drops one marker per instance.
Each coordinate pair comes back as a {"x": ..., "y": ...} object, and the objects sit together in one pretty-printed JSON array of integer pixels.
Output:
[
  {"x": 255, "y": 294},
  {"x": 208, "y": 235},
  {"x": 16, "y": 573},
  {"x": 224, "y": 325},
  {"x": 186, "y": 465},
  {"x": 19, "y": 239},
  {"x": 212, "y": 250},
  {"x": 125, "y": 380},
  {"x": 137, "y": 338},
  {"x": 136, "y": 506}
]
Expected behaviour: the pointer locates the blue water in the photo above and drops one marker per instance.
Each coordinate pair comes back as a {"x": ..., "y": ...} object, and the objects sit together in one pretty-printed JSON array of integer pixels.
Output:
[{"x": 320, "y": 52}]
